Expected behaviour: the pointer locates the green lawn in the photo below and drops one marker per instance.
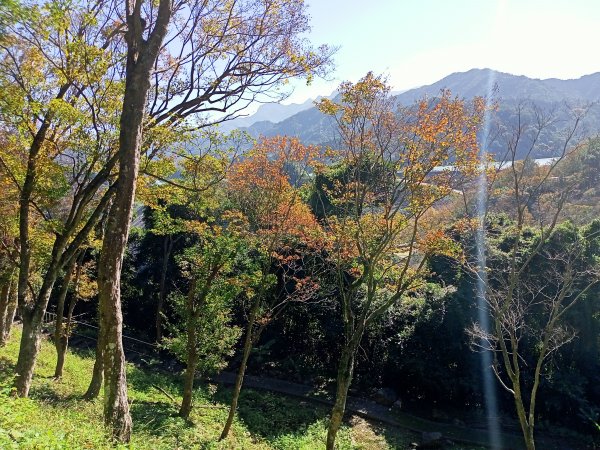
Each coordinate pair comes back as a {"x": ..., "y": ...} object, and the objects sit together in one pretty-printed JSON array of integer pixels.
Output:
[{"x": 55, "y": 417}]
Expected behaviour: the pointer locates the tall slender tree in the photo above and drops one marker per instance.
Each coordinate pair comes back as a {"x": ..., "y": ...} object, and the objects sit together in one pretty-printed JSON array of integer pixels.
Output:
[
  {"x": 182, "y": 59},
  {"x": 526, "y": 308},
  {"x": 58, "y": 78},
  {"x": 8, "y": 252},
  {"x": 380, "y": 220},
  {"x": 262, "y": 188}
]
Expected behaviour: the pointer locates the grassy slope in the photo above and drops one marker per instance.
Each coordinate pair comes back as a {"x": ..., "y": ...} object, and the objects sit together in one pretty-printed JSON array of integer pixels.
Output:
[{"x": 55, "y": 417}]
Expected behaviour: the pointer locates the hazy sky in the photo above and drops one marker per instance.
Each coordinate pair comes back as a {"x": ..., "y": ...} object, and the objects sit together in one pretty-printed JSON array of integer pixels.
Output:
[{"x": 417, "y": 42}]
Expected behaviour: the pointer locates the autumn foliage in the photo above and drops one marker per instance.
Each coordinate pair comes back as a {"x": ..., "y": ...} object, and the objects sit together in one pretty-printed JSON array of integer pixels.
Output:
[
  {"x": 264, "y": 186},
  {"x": 391, "y": 166}
]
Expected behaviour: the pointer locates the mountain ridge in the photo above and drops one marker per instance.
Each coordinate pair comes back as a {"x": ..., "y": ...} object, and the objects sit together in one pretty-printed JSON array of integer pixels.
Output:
[{"x": 551, "y": 94}]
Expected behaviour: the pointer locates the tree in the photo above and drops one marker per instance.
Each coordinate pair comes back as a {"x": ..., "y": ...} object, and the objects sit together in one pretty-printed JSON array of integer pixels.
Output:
[
  {"x": 207, "y": 335},
  {"x": 8, "y": 299},
  {"x": 583, "y": 206},
  {"x": 8, "y": 253},
  {"x": 221, "y": 58},
  {"x": 83, "y": 288},
  {"x": 57, "y": 82},
  {"x": 179, "y": 187},
  {"x": 186, "y": 58},
  {"x": 382, "y": 227},
  {"x": 283, "y": 231},
  {"x": 529, "y": 310},
  {"x": 532, "y": 278},
  {"x": 191, "y": 208}
]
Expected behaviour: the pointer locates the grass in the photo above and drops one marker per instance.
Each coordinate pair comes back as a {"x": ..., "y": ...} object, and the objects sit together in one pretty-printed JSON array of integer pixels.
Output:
[{"x": 55, "y": 417}]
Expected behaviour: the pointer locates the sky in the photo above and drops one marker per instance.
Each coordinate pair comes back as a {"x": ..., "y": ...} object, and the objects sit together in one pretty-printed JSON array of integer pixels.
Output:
[{"x": 417, "y": 42}]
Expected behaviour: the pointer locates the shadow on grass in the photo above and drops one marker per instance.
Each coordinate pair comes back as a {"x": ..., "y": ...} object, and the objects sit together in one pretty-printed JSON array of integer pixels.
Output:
[
  {"x": 47, "y": 393},
  {"x": 154, "y": 411},
  {"x": 272, "y": 416},
  {"x": 43, "y": 390},
  {"x": 145, "y": 382},
  {"x": 154, "y": 417},
  {"x": 7, "y": 369}
]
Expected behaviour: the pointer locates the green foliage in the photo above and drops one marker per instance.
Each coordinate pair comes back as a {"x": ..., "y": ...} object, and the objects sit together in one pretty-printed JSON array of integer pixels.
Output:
[
  {"x": 203, "y": 315},
  {"x": 215, "y": 331},
  {"x": 368, "y": 170},
  {"x": 10, "y": 11}
]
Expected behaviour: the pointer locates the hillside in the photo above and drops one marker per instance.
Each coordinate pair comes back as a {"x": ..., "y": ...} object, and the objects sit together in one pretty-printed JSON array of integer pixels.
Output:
[
  {"x": 550, "y": 95},
  {"x": 52, "y": 417},
  {"x": 55, "y": 417}
]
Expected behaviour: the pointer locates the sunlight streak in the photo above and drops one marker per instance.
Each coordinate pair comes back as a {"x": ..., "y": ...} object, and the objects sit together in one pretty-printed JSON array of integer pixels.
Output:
[{"x": 489, "y": 386}]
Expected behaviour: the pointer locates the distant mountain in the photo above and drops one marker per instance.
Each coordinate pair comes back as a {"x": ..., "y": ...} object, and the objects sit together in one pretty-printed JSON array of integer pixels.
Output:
[
  {"x": 271, "y": 113},
  {"x": 312, "y": 127},
  {"x": 476, "y": 82}
]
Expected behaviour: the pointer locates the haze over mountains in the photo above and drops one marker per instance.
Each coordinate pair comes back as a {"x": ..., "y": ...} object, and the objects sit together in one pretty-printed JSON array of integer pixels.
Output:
[
  {"x": 552, "y": 96},
  {"x": 269, "y": 112}
]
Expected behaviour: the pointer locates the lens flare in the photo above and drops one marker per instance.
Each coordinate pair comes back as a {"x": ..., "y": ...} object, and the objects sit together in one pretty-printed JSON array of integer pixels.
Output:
[{"x": 489, "y": 383}]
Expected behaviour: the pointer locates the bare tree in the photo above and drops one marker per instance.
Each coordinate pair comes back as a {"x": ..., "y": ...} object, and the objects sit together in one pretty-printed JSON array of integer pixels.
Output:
[
  {"x": 528, "y": 310},
  {"x": 536, "y": 275}
]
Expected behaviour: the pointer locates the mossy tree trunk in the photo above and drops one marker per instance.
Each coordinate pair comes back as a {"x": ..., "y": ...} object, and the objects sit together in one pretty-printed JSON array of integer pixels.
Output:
[{"x": 141, "y": 57}]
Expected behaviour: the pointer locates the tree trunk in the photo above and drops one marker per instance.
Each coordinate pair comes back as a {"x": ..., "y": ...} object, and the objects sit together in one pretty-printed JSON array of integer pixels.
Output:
[
  {"x": 33, "y": 317},
  {"x": 137, "y": 84},
  {"x": 4, "y": 308},
  {"x": 192, "y": 353},
  {"x": 10, "y": 313},
  {"x": 30, "y": 339},
  {"x": 34, "y": 311},
  {"x": 526, "y": 428},
  {"x": 167, "y": 249},
  {"x": 344, "y": 378},
  {"x": 29, "y": 347},
  {"x": 24, "y": 200},
  {"x": 61, "y": 351},
  {"x": 63, "y": 344},
  {"x": 529, "y": 442},
  {"x": 116, "y": 406},
  {"x": 190, "y": 373},
  {"x": 141, "y": 57},
  {"x": 239, "y": 379},
  {"x": 188, "y": 384},
  {"x": 98, "y": 373},
  {"x": 60, "y": 335}
]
